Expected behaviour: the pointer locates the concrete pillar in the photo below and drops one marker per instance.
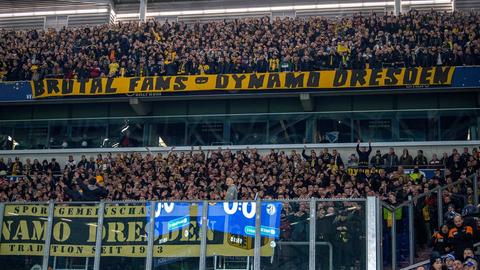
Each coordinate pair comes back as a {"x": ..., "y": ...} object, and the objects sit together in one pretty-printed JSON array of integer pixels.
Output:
[
  {"x": 398, "y": 7},
  {"x": 140, "y": 107},
  {"x": 307, "y": 102},
  {"x": 143, "y": 10}
]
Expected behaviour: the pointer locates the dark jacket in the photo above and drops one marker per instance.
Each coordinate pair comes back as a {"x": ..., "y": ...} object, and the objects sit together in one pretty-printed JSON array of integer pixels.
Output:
[
  {"x": 92, "y": 192},
  {"x": 363, "y": 156},
  {"x": 408, "y": 160},
  {"x": 420, "y": 160},
  {"x": 439, "y": 242},
  {"x": 314, "y": 162},
  {"x": 391, "y": 160},
  {"x": 460, "y": 238},
  {"x": 377, "y": 160}
]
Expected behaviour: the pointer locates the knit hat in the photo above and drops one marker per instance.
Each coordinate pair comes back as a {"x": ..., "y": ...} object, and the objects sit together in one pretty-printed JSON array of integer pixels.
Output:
[{"x": 449, "y": 257}]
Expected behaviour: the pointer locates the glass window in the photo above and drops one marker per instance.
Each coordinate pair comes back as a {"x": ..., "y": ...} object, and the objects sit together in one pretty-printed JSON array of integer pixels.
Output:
[
  {"x": 6, "y": 138},
  {"x": 457, "y": 128},
  {"x": 88, "y": 134},
  {"x": 206, "y": 133},
  {"x": 290, "y": 250},
  {"x": 124, "y": 134},
  {"x": 333, "y": 131},
  {"x": 378, "y": 130},
  {"x": 170, "y": 133},
  {"x": 413, "y": 129},
  {"x": 341, "y": 224},
  {"x": 287, "y": 130},
  {"x": 59, "y": 137},
  {"x": 31, "y": 135},
  {"x": 248, "y": 133}
]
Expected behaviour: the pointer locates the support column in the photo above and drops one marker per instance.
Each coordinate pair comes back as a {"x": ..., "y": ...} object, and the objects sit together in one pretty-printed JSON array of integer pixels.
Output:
[
  {"x": 203, "y": 237},
  {"x": 48, "y": 235},
  {"x": 439, "y": 207},
  {"x": 143, "y": 10},
  {"x": 257, "y": 242},
  {"x": 411, "y": 232},
  {"x": 313, "y": 221},
  {"x": 140, "y": 107},
  {"x": 475, "y": 189},
  {"x": 307, "y": 102},
  {"x": 2, "y": 211},
  {"x": 98, "y": 241},
  {"x": 373, "y": 236},
  {"x": 150, "y": 235},
  {"x": 398, "y": 7},
  {"x": 394, "y": 240}
]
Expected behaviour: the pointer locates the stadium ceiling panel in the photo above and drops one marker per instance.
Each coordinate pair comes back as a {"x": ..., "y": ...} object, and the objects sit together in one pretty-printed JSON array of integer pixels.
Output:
[
  {"x": 155, "y": 1},
  {"x": 9, "y": 5}
]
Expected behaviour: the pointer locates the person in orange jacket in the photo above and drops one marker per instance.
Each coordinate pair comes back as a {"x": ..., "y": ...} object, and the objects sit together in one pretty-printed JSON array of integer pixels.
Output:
[
  {"x": 460, "y": 236},
  {"x": 439, "y": 240}
]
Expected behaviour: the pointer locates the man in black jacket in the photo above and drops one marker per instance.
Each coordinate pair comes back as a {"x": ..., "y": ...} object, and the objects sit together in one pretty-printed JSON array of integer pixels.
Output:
[
  {"x": 377, "y": 160},
  {"x": 420, "y": 160},
  {"x": 261, "y": 65},
  {"x": 391, "y": 160},
  {"x": 363, "y": 154},
  {"x": 312, "y": 160},
  {"x": 90, "y": 192},
  {"x": 54, "y": 166}
]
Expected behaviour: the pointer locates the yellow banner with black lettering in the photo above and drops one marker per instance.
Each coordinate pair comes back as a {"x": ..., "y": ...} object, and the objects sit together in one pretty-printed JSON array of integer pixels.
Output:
[
  {"x": 124, "y": 233},
  {"x": 328, "y": 79}
]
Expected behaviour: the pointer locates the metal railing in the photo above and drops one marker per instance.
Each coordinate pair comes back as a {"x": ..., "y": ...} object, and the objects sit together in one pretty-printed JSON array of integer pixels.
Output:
[
  {"x": 472, "y": 179},
  {"x": 426, "y": 262},
  {"x": 343, "y": 207}
]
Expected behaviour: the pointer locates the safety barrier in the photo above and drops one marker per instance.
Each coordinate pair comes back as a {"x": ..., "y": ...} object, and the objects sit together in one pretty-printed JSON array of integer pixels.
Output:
[
  {"x": 403, "y": 226},
  {"x": 277, "y": 234}
]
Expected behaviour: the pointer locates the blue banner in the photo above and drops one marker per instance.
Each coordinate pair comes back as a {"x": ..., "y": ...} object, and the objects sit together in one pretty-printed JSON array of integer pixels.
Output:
[
  {"x": 466, "y": 77},
  {"x": 236, "y": 218},
  {"x": 15, "y": 91},
  {"x": 239, "y": 218},
  {"x": 170, "y": 217}
]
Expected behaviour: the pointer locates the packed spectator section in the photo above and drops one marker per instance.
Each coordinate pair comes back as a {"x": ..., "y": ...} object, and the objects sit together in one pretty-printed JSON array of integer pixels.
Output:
[
  {"x": 243, "y": 46},
  {"x": 202, "y": 175},
  {"x": 245, "y": 174}
]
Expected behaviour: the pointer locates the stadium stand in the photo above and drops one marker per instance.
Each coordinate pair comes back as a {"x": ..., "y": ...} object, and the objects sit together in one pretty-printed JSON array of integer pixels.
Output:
[
  {"x": 201, "y": 175},
  {"x": 421, "y": 206},
  {"x": 243, "y": 46}
]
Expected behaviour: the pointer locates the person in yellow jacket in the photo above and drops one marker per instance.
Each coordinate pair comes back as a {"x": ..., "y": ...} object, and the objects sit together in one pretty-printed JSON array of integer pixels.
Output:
[
  {"x": 170, "y": 53},
  {"x": 203, "y": 68},
  {"x": 273, "y": 64}
]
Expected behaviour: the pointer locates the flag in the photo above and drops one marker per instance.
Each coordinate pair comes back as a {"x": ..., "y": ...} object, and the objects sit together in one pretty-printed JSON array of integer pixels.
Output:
[
  {"x": 332, "y": 136},
  {"x": 156, "y": 35}
]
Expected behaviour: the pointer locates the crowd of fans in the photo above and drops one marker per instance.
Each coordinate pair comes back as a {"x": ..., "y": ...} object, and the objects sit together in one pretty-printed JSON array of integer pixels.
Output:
[
  {"x": 199, "y": 175},
  {"x": 245, "y": 174},
  {"x": 243, "y": 46},
  {"x": 453, "y": 243}
]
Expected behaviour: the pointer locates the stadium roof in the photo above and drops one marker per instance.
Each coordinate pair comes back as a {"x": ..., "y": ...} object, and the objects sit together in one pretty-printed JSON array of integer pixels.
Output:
[
  {"x": 38, "y": 14},
  {"x": 9, "y": 5},
  {"x": 154, "y": 1}
]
